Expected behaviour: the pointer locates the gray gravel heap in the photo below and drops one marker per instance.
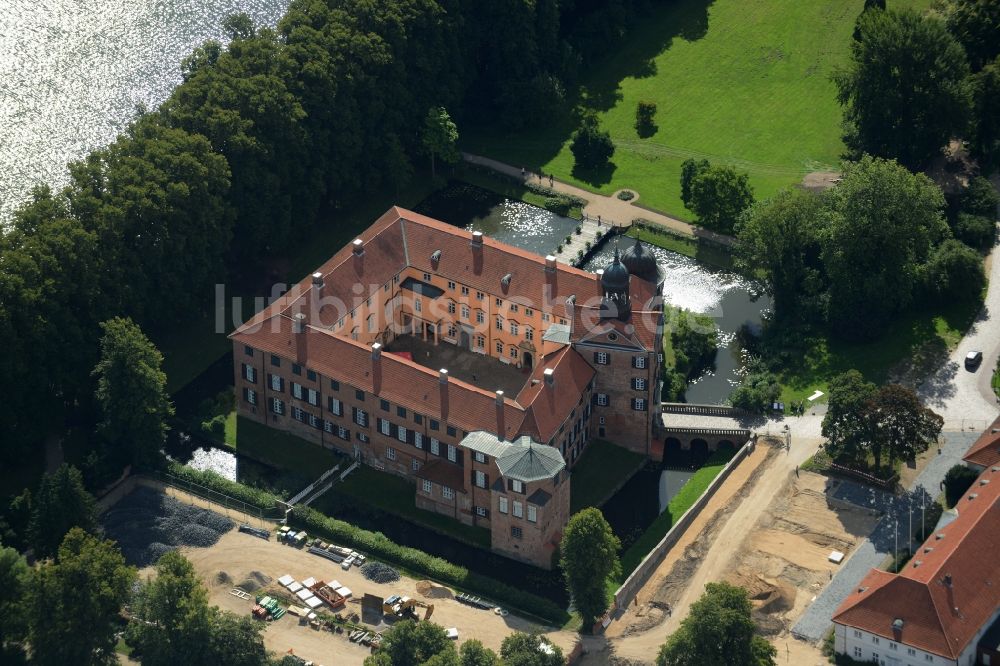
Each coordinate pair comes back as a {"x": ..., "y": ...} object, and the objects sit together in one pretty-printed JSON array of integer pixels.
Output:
[
  {"x": 146, "y": 524},
  {"x": 379, "y": 573}
]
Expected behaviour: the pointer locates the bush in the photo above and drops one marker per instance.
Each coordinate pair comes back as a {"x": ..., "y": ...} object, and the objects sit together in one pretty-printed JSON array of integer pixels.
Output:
[
  {"x": 626, "y": 195},
  {"x": 377, "y": 545},
  {"x": 954, "y": 272},
  {"x": 958, "y": 479},
  {"x": 558, "y": 205},
  {"x": 215, "y": 426},
  {"x": 559, "y": 248},
  {"x": 579, "y": 230},
  {"x": 757, "y": 391},
  {"x": 976, "y": 231},
  {"x": 980, "y": 198}
]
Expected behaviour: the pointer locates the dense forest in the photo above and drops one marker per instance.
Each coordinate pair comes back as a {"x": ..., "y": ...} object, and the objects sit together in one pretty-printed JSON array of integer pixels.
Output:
[{"x": 239, "y": 162}]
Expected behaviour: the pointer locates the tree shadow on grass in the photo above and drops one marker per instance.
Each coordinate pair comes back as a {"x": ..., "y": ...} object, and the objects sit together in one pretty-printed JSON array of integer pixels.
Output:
[{"x": 596, "y": 176}]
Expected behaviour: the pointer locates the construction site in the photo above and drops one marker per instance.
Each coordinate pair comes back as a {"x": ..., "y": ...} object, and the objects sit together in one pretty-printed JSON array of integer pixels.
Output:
[{"x": 322, "y": 603}]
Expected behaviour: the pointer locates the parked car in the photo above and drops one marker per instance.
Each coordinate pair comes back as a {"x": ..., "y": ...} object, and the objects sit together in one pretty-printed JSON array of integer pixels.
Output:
[{"x": 973, "y": 359}]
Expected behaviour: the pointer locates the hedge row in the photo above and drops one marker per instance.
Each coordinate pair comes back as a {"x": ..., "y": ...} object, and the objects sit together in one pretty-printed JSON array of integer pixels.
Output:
[{"x": 376, "y": 544}]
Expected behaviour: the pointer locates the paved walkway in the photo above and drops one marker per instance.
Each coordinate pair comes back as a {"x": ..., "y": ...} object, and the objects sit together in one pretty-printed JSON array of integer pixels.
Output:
[
  {"x": 609, "y": 209},
  {"x": 891, "y": 530}
]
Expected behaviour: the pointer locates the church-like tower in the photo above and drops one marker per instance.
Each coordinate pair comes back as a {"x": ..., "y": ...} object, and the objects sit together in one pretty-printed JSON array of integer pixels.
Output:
[{"x": 615, "y": 285}]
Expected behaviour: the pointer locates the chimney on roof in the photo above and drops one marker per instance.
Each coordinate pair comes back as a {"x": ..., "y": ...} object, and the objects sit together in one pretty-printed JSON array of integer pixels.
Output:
[
  {"x": 599, "y": 273},
  {"x": 376, "y": 351},
  {"x": 500, "y": 422},
  {"x": 443, "y": 384},
  {"x": 376, "y": 367},
  {"x": 550, "y": 376},
  {"x": 443, "y": 375},
  {"x": 550, "y": 263},
  {"x": 317, "y": 282},
  {"x": 477, "y": 241},
  {"x": 570, "y": 305},
  {"x": 358, "y": 247},
  {"x": 299, "y": 329},
  {"x": 947, "y": 580}
]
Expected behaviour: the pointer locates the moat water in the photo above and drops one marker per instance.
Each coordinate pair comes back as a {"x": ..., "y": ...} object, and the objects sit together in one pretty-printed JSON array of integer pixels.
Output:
[{"x": 72, "y": 73}]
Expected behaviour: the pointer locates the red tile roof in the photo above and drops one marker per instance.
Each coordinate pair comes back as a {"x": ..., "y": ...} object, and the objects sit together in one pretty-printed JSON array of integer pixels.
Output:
[
  {"x": 985, "y": 452},
  {"x": 938, "y": 616}
]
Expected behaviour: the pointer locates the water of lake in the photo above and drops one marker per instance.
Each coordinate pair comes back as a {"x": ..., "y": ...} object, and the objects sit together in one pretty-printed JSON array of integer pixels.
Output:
[{"x": 73, "y": 71}]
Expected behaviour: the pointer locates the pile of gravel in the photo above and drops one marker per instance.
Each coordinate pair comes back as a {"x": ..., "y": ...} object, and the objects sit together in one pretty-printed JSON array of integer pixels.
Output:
[
  {"x": 379, "y": 573},
  {"x": 146, "y": 524}
]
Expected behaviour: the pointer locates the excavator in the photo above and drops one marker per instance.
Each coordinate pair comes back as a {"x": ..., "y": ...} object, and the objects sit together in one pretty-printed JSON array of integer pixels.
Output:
[{"x": 405, "y": 608}]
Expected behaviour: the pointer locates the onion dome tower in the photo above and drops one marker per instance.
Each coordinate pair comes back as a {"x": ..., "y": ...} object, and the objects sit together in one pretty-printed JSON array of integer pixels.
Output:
[
  {"x": 615, "y": 284},
  {"x": 641, "y": 263}
]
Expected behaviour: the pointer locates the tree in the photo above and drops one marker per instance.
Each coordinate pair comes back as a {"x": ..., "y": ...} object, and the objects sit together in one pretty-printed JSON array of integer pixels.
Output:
[
  {"x": 15, "y": 582},
  {"x": 718, "y": 631},
  {"x": 132, "y": 393},
  {"x": 985, "y": 139},
  {"x": 591, "y": 147},
  {"x": 954, "y": 273},
  {"x": 976, "y": 24},
  {"x": 690, "y": 169},
  {"x": 976, "y": 231},
  {"x": 17, "y": 520},
  {"x": 904, "y": 91},
  {"x": 645, "y": 118},
  {"x": 440, "y": 136},
  {"x": 718, "y": 195},
  {"x": 904, "y": 427},
  {"x": 74, "y": 603},
  {"x": 979, "y": 198},
  {"x": 848, "y": 432},
  {"x": 757, "y": 391},
  {"x": 588, "y": 556},
  {"x": 780, "y": 240},
  {"x": 695, "y": 345},
  {"x": 474, "y": 653},
  {"x": 883, "y": 222},
  {"x": 410, "y": 643},
  {"x": 957, "y": 480},
  {"x": 61, "y": 503},
  {"x": 520, "y": 649}
]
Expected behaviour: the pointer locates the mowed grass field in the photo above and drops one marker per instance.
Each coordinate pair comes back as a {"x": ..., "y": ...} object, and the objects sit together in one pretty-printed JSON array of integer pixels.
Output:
[{"x": 742, "y": 82}]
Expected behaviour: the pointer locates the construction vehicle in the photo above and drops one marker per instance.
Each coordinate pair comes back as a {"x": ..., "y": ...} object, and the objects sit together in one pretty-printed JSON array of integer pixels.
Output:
[{"x": 405, "y": 608}]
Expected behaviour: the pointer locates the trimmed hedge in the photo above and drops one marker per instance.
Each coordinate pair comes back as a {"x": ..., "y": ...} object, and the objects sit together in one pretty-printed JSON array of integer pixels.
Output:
[{"x": 376, "y": 544}]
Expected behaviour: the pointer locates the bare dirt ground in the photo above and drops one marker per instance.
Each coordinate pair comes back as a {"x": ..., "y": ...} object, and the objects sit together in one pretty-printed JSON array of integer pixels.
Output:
[
  {"x": 237, "y": 557},
  {"x": 818, "y": 181},
  {"x": 781, "y": 559}
]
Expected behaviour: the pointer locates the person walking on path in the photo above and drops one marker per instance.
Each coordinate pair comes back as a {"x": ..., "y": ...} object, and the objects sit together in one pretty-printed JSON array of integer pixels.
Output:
[{"x": 522, "y": 173}]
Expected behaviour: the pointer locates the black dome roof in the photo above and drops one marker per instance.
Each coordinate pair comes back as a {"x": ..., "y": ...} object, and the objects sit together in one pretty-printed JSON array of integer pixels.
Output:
[
  {"x": 616, "y": 277},
  {"x": 641, "y": 263}
]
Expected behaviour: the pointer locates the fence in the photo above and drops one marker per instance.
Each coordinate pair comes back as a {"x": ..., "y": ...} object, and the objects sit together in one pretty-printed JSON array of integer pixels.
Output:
[
  {"x": 218, "y": 498},
  {"x": 638, "y": 578},
  {"x": 704, "y": 410}
]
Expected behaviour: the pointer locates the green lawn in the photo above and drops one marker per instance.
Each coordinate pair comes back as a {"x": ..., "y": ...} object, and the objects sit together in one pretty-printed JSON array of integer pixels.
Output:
[
  {"x": 735, "y": 82},
  {"x": 511, "y": 189},
  {"x": 681, "y": 502},
  {"x": 394, "y": 495},
  {"x": 601, "y": 470},
  {"x": 282, "y": 450},
  {"x": 689, "y": 247},
  {"x": 917, "y": 339},
  {"x": 996, "y": 379}
]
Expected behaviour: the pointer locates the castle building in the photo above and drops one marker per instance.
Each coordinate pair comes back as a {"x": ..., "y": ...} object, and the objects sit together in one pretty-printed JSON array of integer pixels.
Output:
[{"x": 476, "y": 369}]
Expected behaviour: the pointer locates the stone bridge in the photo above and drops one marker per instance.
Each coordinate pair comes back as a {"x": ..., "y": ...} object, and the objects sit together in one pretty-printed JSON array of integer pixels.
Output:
[{"x": 698, "y": 430}]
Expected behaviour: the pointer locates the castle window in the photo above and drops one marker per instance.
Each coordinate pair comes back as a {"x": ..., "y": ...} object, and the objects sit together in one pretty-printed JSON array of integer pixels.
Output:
[
  {"x": 416, "y": 305},
  {"x": 499, "y": 302},
  {"x": 452, "y": 453},
  {"x": 334, "y": 385},
  {"x": 418, "y": 439},
  {"x": 343, "y": 433},
  {"x": 428, "y": 486},
  {"x": 250, "y": 373},
  {"x": 451, "y": 308},
  {"x": 513, "y": 328},
  {"x": 513, "y": 307},
  {"x": 639, "y": 362},
  {"x": 480, "y": 479},
  {"x": 503, "y": 505},
  {"x": 447, "y": 493},
  {"x": 639, "y": 405},
  {"x": 277, "y": 384},
  {"x": 384, "y": 427},
  {"x": 465, "y": 291},
  {"x": 427, "y": 277},
  {"x": 315, "y": 422},
  {"x": 371, "y": 323},
  {"x": 296, "y": 369},
  {"x": 363, "y": 438},
  {"x": 518, "y": 509},
  {"x": 312, "y": 395},
  {"x": 513, "y": 351},
  {"x": 328, "y": 426},
  {"x": 451, "y": 285},
  {"x": 296, "y": 391},
  {"x": 248, "y": 350},
  {"x": 545, "y": 316},
  {"x": 601, "y": 358},
  {"x": 602, "y": 399},
  {"x": 532, "y": 514},
  {"x": 528, "y": 312},
  {"x": 479, "y": 295},
  {"x": 516, "y": 486},
  {"x": 480, "y": 341},
  {"x": 529, "y": 334},
  {"x": 500, "y": 323},
  {"x": 311, "y": 375},
  {"x": 465, "y": 312},
  {"x": 401, "y": 434},
  {"x": 390, "y": 453},
  {"x": 250, "y": 395},
  {"x": 639, "y": 383},
  {"x": 435, "y": 447},
  {"x": 298, "y": 414},
  {"x": 516, "y": 532},
  {"x": 401, "y": 412},
  {"x": 480, "y": 317},
  {"x": 499, "y": 346},
  {"x": 275, "y": 361},
  {"x": 481, "y": 511},
  {"x": 359, "y": 395},
  {"x": 415, "y": 464},
  {"x": 480, "y": 457},
  {"x": 277, "y": 406},
  {"x": 360, "y": 417}
]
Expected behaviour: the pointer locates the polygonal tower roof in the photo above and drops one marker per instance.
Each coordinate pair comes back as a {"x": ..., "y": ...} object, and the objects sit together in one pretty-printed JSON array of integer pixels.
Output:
[
  {"x": 616, "y": 277},
  {"x": 641, "y": 263}
]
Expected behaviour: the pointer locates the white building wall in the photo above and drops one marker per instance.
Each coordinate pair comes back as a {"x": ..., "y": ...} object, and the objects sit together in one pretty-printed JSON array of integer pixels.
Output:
[{"x": 865, "y": 646}]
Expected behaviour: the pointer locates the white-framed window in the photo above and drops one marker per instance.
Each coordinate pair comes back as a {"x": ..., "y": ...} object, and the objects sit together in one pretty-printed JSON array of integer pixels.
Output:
[
  {"x": 250, "y": 373},
  {"x": 481, "y": 511},
  {"x": 502, "y": 505},
  {"x": 417, "y": 307},
  {"x": 298, "y": 414},
  {"x": 601, "y": 358},
  {"x": 911, "y": 652},
  {"x": 513, "y": 307},
  {"x": 384, "y": 427},
  {"x": 313, "y": 421},
  {"x": 875, "y": 640},
  {"x": 516, "y": 486},
  {"x": 640, "y": 383},
  {"x": 427, "y": 277},
  {"x": 639, "y": 405},
  {"x": 451, "y": 307},
  {"x": 415, "y": 464},
  {"x": 481, "y": 342},
  {"x": 480, "y": 317},
  {"x": 516, "y": 532},
  {"x": 401, "y": 434},
  {"x": 390, "y": 453},
  {"x": 640, "y": 362},
  {"x": 447, "y": 493},
  {"x": 499, "y": 346},
  {"x": 451, "y": 285},
  {"x": 857, "y": 634},
  {"x": 546, "y": 317},
  {"x": 418, "y": 440},
  {"x": 532, "y": 514},
  {"x": 435, "y": 447},
  {"x": 857, "y": 652},
  {"x": 499, "y": 302},
  {"x": 465, "y": 312},
  {"x": 362, "y": 437},
  {"x": 276, "y": 383},
  {"x": 343, "y": 432},
  {"x": 361, "y": 417},
  {"x": 277, "y": 406},
  {"x": 928, "y": 657},
  {"x": 480, "y": 479},
  {"x": 312, "y": 396},
  {"x": 296, "y": 391},
  {"x": 602, "y": 399},
  {"x": 500, "y": 323},
  {"x": 452, "y": 453},
  {"x": 518, "y": 509},
  {"x": 513, "y": 351},
  {"x": 480, "y": 456},
  {"x": 328, "y": 426},
  {"x": 513, "y": 328},
  {"x": 427, "y": 486},
  {"x": 479, "y": 295},
  {"x": 529, "y": 334},
  {"x": 465, "y": 290},
  {"x": 893, "y": 646},
  {"x": 335, "y": 406},
  {"x": 371, "y": 323}
]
